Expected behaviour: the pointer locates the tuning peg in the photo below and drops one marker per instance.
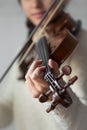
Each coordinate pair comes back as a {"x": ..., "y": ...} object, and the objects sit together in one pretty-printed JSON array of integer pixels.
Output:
[
  {"x": 70, "y": 82},
  {"x": 45, "y": 96},
  {"x": 66, "y": 70},
  {"x": 56, "y": 99}
]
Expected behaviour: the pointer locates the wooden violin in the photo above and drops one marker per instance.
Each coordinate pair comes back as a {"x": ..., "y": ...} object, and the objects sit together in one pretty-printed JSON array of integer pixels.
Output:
[{"x": 57, "y": 87}]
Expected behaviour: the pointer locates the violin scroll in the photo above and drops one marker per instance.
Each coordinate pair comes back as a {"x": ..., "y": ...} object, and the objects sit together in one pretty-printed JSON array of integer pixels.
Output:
[{"x": 60, "y": 94}]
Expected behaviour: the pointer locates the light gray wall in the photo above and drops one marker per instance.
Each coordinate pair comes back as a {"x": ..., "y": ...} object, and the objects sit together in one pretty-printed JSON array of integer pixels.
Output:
[{"x": 12, "y": 31}]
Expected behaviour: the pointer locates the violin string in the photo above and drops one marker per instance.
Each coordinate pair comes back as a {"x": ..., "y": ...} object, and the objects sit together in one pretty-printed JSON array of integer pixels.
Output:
[
  {"x": 51, "y": 83},
  {"x": 54, "y": 84},
  {"x": 39, "y": 48},
  {"x": 42, "y": 50},
  {"x": 45, "y": 54},
  {"x": 41, "y": 31},
  {"x": 50, "y": 76}
]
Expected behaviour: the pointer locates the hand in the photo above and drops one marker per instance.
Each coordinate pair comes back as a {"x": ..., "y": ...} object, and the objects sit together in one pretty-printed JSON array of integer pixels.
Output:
[{"x": 35, "y": 80}]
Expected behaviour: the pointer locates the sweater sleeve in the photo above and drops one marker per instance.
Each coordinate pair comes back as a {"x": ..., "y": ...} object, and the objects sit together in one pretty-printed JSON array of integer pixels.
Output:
[
  {"x": 5, "y": 106},
  {"x": 71, "y": 118},
  {"x": 7, "y": 88}
]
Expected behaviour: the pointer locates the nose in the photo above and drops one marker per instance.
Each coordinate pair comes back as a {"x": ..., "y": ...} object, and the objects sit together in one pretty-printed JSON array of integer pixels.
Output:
[{"x": 36, "y": 3}]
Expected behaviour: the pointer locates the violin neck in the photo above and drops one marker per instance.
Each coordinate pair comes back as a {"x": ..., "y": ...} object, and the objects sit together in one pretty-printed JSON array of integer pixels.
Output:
[{"x": 43, "y": 51}]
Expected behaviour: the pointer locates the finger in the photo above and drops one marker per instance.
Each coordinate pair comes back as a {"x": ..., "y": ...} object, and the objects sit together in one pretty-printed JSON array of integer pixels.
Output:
[
  {"x": 37, "y": 77},
  {"x": 32, "y": 89},
  {"x": 52, "y": 63},
  {"x": 28, "y": 80},
  {"x": 36, "y": 87},
  {"x": 54, "y": 66},
  {"x": 38, "y": 73},
  {"x": 34, "y": 65},
  {"x": 36, "y": 82},
  {"x": 42, "y": 86},
  {"x": 29, "y": 83}
]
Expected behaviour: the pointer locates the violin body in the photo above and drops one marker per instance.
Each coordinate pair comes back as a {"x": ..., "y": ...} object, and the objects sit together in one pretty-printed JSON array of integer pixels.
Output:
[
  {"x": 63, "y": 20},
  {"x": 62, "y": 46}
]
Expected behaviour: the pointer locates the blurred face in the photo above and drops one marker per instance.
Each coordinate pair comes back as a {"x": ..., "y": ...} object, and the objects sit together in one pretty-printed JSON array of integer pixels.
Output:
[{"x": 35, "y": 9}]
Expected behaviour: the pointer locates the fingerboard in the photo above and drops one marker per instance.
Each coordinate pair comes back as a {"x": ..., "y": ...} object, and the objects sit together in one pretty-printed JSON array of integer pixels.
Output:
[{"x": 43, "y": 51}]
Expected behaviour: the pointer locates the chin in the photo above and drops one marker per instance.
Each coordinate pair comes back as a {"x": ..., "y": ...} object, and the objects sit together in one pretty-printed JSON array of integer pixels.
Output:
[{"x": 37, "y": 22}]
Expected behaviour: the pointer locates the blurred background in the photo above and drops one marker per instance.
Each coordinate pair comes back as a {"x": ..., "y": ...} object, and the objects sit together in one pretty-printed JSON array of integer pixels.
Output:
[{"x": 13, "y": 31}]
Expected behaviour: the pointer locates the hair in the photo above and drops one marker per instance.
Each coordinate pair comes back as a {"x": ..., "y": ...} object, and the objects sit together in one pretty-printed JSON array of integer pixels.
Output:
[
  {"x": 19, "y": 1},
  {"x": 28, "y": 23}
]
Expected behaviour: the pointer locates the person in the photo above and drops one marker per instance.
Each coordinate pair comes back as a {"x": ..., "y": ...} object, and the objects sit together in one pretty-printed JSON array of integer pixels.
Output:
[
  {"x": 16, "y": 101},
  {"x": 70, "y": 118}
]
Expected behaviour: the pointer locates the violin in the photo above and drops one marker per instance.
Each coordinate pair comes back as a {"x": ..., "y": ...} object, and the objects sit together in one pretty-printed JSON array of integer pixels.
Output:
[
  {"x": 57, "y": 89},
  {"x": 57, "y": 34}
]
